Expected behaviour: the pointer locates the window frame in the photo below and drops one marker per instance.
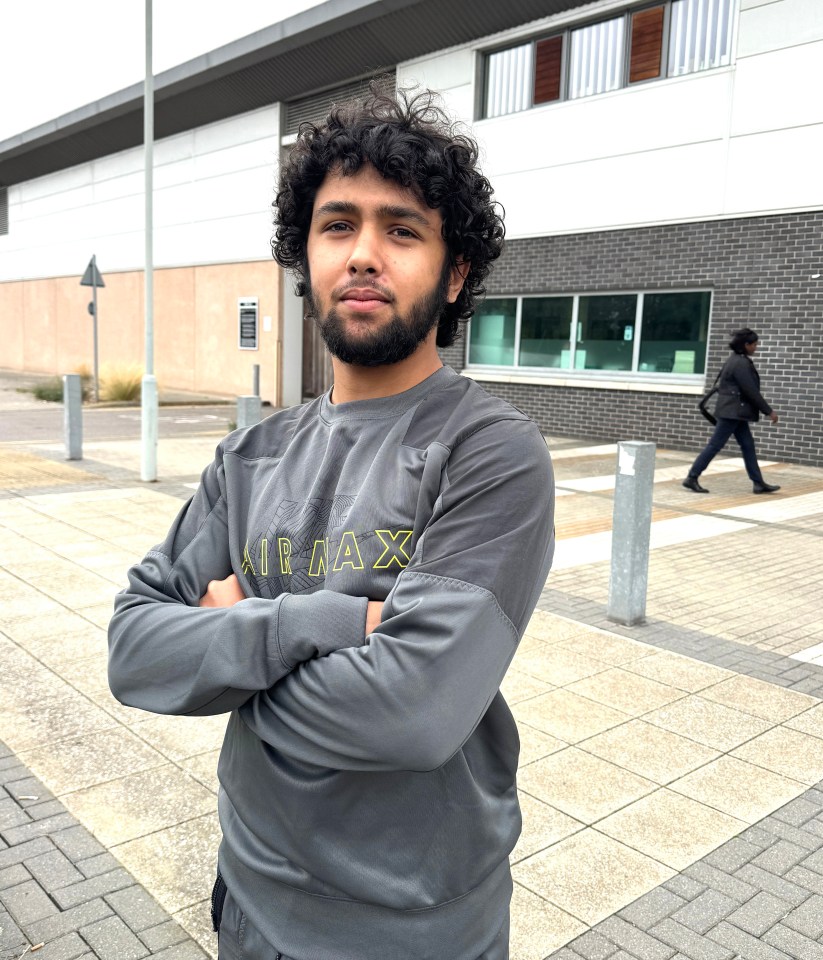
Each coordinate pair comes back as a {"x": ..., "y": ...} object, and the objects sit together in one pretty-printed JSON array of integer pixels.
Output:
[
  {"x": 565, "y": 31},
  {"x": 548, "y": 374}
]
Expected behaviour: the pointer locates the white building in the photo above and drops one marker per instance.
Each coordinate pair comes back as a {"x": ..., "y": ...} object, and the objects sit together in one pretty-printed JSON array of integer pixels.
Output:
[{"x": 658, "y": 163}]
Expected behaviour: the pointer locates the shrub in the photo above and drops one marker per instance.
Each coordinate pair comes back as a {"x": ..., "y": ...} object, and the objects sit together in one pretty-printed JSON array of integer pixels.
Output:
[
  {"x": 86, "y": 381},
  {"x": 51, "y": 390},
  {"x": 121, "y": 383}
]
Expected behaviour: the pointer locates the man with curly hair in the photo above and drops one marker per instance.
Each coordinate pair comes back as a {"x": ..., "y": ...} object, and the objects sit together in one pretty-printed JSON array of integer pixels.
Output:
[{"x": 352, "y": 578}]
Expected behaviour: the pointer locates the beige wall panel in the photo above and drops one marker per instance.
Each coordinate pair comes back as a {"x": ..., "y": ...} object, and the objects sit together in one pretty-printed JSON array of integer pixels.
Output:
[
  {"x": 74, "y": 327},
  {"x": 221, "y": 366},
  {"x": 120, "y": 326},
  {"x": 11, "y": 325},
  {"x": 39, "y": 327},
  {"x": 174, "y": 328},
  {"x": 45, "y": 326}
]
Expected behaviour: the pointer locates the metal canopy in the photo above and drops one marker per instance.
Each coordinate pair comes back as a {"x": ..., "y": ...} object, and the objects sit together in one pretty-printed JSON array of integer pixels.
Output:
[{"x": 334, "y": 42}]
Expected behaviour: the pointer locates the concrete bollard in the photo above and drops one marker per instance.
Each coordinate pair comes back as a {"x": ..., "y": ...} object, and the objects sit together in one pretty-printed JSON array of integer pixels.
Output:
[
  {"x": 249, "y": 411},
  {"x": 631, "y": 527},
  {"x": 73, "y": 416}
]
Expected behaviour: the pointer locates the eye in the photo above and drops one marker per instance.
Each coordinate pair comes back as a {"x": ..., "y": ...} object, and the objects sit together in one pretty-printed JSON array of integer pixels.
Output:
[
  {"x": 337, "y": 227},
  {"x": 404, "y": 233}
]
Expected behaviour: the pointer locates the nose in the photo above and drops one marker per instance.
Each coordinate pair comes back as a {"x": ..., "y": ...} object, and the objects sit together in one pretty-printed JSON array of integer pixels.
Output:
[{"x": 365, "y": 256}]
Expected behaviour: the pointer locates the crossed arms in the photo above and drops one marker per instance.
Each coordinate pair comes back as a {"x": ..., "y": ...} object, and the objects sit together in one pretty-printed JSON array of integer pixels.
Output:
[{"x": 341, "y": 681}]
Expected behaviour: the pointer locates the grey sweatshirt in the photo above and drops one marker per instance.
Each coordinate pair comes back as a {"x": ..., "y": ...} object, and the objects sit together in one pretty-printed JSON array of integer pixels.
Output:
[{"x": 368, "y": 800}]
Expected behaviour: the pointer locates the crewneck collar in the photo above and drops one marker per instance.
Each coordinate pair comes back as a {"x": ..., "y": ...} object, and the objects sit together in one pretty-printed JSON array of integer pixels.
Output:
[{"x": 378, "y": 407}]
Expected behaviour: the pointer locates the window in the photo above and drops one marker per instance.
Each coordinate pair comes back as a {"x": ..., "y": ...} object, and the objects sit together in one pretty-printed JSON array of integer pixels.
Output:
[
  {"x": 618, "y": 333},
  {"x": 4, "y": 210},
  {"x": 508, "y": 76},
  {"x": 700, "y": 35},
  {"x": 662, "y": 40},
  {"x": 605, "y": 332},
  {"x": 545, "y": 332},
  {"x": 597, "y": 58},
  {"x": 675, "y": 331},
  {"x": 493, "y": 333}
]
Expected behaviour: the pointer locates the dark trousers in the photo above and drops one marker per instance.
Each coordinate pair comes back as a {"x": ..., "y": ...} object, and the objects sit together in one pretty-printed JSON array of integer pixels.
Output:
[
  {"x": 724, "y": 429},
  {"x": 239, "y": 940}
]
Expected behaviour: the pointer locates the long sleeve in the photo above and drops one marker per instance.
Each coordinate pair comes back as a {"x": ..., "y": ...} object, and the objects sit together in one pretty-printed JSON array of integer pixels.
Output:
[
  {"x": 412, "y": 694},
  {"x": 169, "y": 655},
  {"x": 749, "y": 383}
]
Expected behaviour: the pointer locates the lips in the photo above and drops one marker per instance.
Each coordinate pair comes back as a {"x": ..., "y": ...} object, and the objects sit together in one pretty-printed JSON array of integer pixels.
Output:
[{"x": 364, "y": 295}]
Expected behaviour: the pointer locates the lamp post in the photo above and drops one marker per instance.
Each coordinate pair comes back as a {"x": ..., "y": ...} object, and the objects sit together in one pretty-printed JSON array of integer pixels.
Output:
[{"x": 148, "y": 419}]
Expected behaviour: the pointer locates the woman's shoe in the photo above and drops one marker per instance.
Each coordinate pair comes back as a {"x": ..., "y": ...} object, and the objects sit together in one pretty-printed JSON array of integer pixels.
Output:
[
  {"x": 765, "y": 487},
  {"x": 690, "y": 483}
]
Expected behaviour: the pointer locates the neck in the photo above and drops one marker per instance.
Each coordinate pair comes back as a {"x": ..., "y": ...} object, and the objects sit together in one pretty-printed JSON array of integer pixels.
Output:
[{"x": 369, "y": 383}]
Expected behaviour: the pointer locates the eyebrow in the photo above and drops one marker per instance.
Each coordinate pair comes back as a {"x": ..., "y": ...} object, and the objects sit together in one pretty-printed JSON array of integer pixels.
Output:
[{"x": 386, "y": 212}]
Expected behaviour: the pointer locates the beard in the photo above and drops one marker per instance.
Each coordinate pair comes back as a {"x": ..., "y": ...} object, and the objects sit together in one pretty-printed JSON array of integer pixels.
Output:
[{"x": 390, "y": 342}]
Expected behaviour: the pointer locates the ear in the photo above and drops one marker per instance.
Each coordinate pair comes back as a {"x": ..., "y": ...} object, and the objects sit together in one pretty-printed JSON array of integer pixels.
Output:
[{"x": 457, "y": 278}]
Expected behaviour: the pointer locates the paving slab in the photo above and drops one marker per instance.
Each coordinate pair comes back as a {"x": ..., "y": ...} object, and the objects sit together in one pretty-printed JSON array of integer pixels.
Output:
[{"x": 669, "y": 772}]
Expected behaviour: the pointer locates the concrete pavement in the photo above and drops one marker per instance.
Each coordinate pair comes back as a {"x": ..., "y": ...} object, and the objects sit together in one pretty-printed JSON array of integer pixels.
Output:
[{"x": 669, "y": 772}]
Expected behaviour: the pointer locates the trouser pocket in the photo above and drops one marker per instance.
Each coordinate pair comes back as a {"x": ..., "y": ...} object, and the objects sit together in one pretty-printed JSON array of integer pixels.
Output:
[
  {"x": 236, "y": 937},
  {"x": 218, "y": 898}
]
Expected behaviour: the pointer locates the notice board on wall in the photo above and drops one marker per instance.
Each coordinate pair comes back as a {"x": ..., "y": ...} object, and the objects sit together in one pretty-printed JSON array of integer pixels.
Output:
[{"x": 248, "y": 323}]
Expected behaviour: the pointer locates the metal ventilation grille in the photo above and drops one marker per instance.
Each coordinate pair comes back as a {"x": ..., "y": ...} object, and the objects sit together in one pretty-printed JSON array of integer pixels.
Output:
[
  {"x": 316, "y": 107},
  {"x": 4, "y": 210}
]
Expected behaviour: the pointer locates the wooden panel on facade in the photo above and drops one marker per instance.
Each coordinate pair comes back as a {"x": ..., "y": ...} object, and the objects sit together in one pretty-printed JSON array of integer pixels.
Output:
[
  {"x": 548, "y": 62},
  {"x": 647, "y": 44}
]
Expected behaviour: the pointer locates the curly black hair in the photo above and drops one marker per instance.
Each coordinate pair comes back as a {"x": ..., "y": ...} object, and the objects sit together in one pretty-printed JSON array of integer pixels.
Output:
[
  {"x": 410, "y": 140},
  {"x": 740, "y": 338}
]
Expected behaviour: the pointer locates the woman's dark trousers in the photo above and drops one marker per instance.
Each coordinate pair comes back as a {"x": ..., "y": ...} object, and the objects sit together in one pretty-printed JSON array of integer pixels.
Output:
[{"x": 724, "y": 429}]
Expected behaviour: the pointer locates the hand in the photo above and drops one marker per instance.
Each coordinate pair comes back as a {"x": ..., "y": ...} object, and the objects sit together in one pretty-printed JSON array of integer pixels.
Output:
[
  {"x": 374, "y": 616},
  {"x": 773, "y": 417},
  {"x": 222, "y": 593}
]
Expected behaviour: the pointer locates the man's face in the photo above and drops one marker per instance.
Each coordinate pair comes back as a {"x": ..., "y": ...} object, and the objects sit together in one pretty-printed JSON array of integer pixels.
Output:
[{"x": 378, "y": 271}]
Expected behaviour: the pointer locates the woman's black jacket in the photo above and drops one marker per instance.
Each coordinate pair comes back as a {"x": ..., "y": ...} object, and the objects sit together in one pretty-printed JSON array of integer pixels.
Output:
[{"x": 739, "y": 396}]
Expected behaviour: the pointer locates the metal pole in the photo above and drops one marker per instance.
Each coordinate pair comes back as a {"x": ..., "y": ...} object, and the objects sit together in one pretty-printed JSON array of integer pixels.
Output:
[
  {"x": 631, "y": 528},
  {"x": 148, "y": 468},
  {"x": 256, "y": 380},
  {"x": 94, "y": 318}
]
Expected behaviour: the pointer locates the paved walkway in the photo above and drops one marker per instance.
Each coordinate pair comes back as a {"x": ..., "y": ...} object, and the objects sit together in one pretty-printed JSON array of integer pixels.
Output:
[{"x": 668, "y": 773}]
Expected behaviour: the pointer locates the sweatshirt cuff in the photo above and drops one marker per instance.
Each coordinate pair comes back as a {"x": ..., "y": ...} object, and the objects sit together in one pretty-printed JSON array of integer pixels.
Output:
[{"x": 315, "y": 624}]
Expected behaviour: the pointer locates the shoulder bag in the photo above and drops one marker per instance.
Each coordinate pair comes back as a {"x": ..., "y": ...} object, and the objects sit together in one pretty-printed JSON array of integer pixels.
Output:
[{"x": 702, "y": 405}]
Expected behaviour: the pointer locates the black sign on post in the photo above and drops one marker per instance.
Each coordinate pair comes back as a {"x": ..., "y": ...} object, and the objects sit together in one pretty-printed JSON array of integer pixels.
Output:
[
  {"x": 92, "y": 278},
  {"x": 247, "y": 323}
]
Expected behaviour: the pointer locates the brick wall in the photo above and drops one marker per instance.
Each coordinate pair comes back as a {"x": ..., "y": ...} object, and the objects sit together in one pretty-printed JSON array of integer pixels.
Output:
[{"x": 759, "y": 272}]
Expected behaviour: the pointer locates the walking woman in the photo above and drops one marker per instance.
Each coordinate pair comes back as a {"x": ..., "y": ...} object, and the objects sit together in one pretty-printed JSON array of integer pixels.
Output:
[{"x": 739, "y": 402}]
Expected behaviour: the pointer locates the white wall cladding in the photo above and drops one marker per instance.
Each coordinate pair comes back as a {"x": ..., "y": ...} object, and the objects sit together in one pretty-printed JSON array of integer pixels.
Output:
[
  {"x": 734, "y": 141},
  {"x": 776, "y": 90},
  {"x": 778, "y": 24},
  {"x": 213, "y": 192},
  {"x": 450, "y": 74}
]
